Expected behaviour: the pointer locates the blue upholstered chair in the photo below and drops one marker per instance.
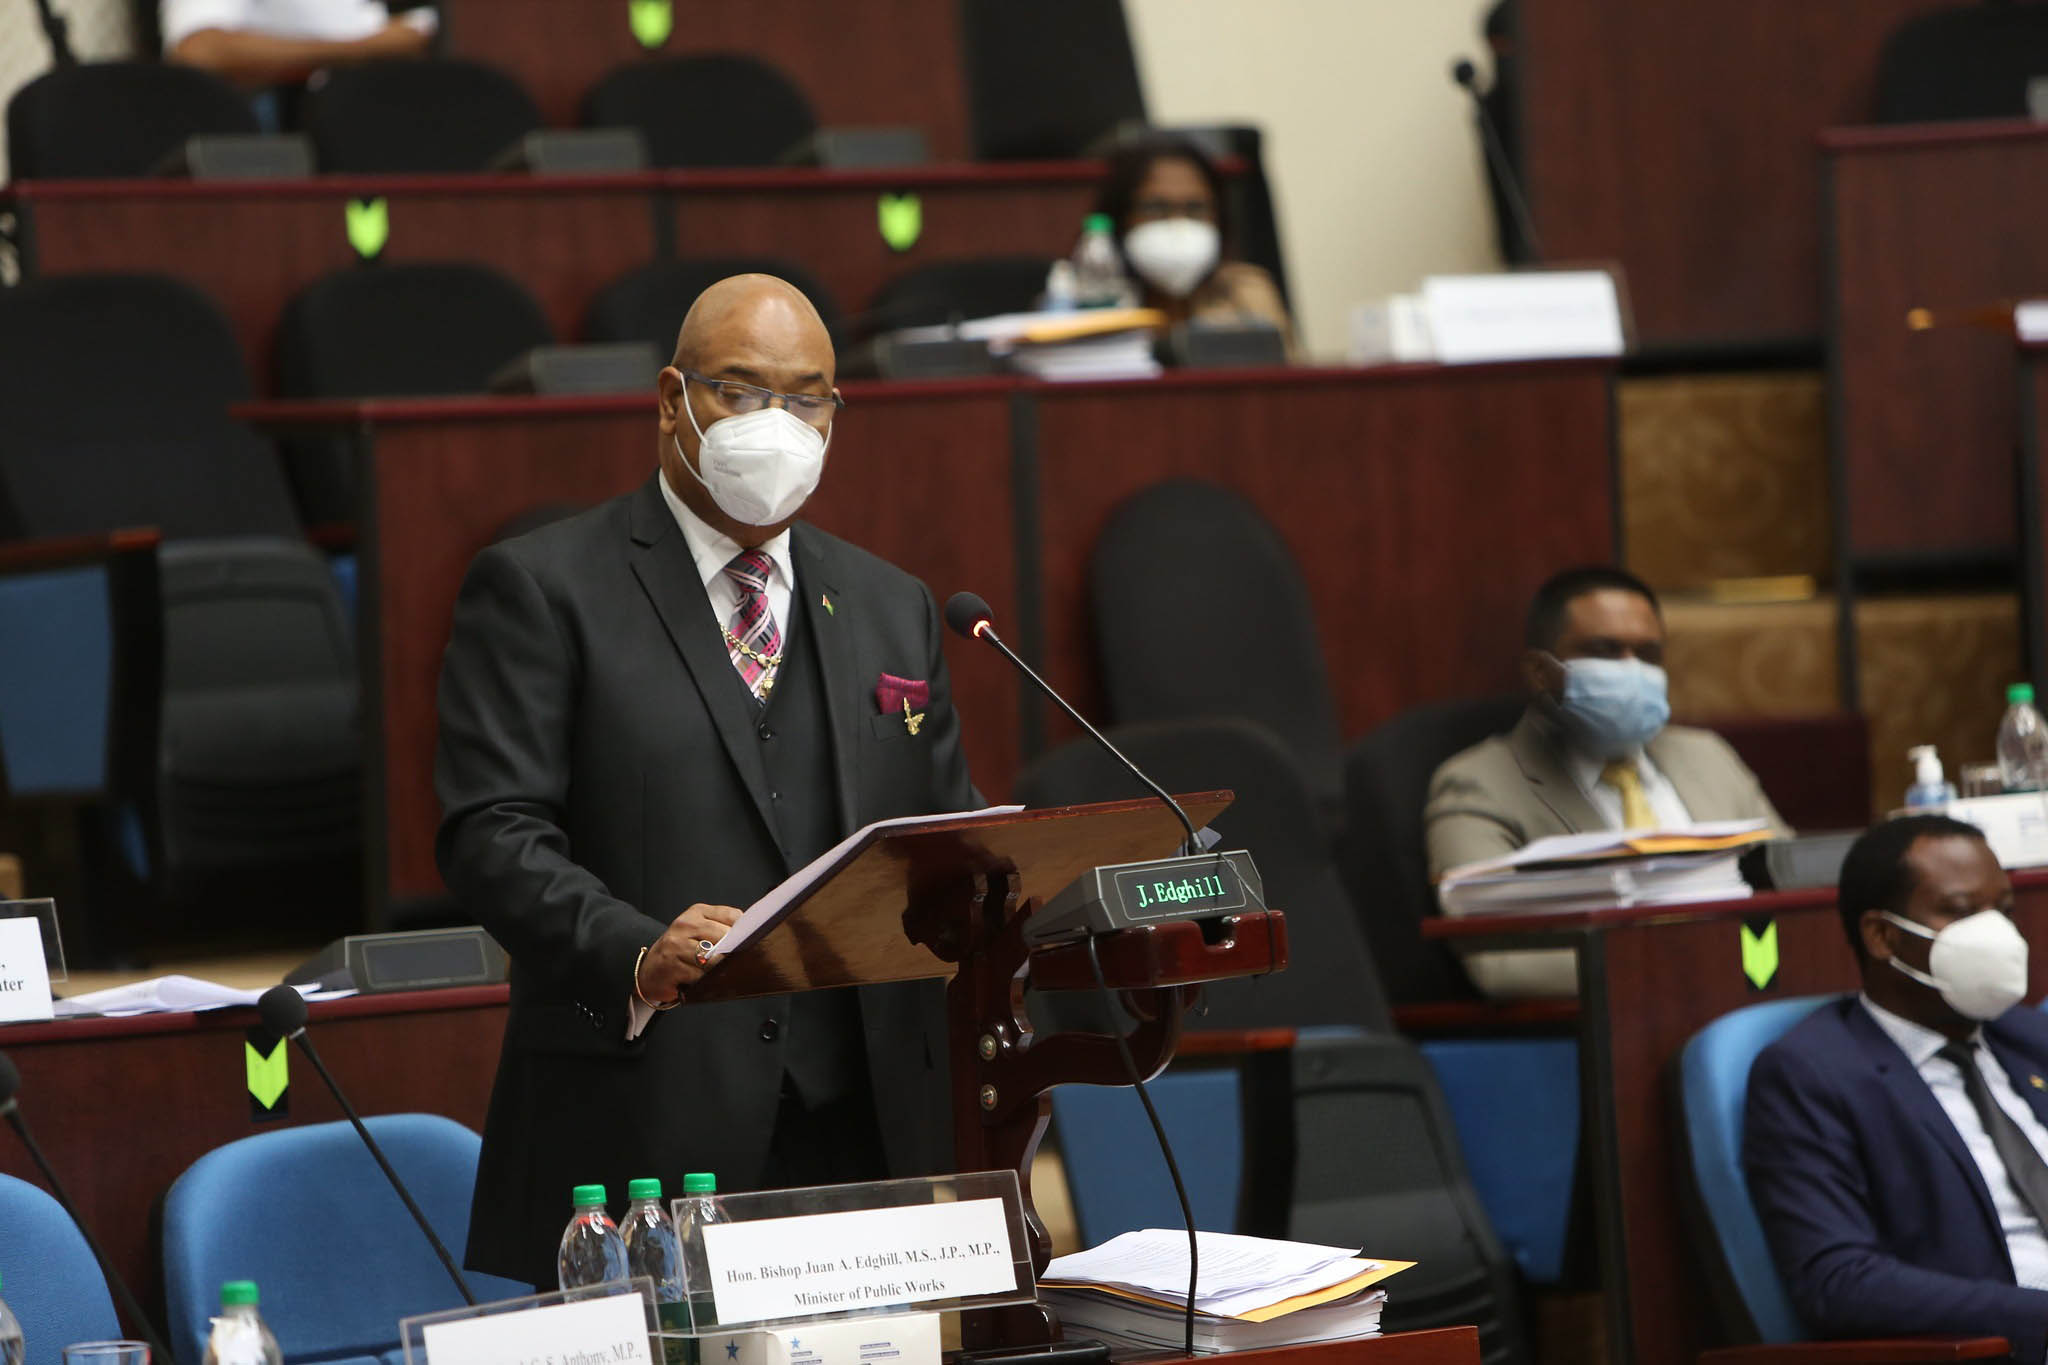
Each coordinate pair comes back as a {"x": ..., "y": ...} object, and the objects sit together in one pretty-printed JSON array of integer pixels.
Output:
[
  {"x": 1114, "y": 1173},
  {"x": 48, "y": 1275},
  {"x": 306, "y": 1214}
]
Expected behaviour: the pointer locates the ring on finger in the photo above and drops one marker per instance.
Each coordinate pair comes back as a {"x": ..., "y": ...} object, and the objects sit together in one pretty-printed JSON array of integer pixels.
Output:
[{"x": 704, "y": 946}]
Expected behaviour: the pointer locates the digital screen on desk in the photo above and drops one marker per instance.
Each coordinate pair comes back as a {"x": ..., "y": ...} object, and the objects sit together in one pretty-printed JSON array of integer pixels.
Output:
[{"x": 1170, "y": 891}]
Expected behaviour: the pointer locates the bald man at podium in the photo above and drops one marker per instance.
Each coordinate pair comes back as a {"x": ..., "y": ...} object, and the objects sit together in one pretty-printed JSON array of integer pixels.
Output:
[{"x": 651, "y": 714}]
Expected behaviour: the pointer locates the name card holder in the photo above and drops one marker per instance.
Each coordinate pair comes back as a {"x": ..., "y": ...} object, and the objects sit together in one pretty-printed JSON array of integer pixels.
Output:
[
  {"x": 31, "y": 959},
  {"x": 843, "y": 1251},
  {"x": 606, "y": 1324}
]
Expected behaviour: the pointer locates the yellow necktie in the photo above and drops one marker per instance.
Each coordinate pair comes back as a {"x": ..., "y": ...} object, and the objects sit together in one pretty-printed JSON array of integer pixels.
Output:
[{"x": 1622, "y": 775}]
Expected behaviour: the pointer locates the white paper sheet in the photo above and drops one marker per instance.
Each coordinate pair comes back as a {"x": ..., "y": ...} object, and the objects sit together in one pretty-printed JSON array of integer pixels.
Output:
[
  {"x": 1238, "y": 1273},
  {"x": 171, "y": 995}
]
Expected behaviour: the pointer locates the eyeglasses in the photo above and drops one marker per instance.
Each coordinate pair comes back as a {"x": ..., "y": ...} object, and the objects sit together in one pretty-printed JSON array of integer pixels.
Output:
[{"x": 739, "y": 399}]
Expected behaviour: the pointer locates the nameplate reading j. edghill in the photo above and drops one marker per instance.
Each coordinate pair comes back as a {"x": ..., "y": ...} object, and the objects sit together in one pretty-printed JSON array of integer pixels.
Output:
[{"x": 772, "y": 1268}]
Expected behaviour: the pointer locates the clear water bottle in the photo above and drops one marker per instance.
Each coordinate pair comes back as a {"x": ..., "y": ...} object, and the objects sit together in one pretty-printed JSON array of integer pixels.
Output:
[
  {"x": 653, "y": 1250},
  {"x": 240, "y": 1336},
  {"x": 2022, "y": 742},
  {"x": 12, "y": 1351},
  {"x": 700, "y": 1208},
  {"x": 592, "y": 1250},
  {"x": 1099, "y": 279}
]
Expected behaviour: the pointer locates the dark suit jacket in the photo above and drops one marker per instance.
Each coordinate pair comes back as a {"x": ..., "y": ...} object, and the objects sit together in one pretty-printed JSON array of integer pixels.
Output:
[
  {"x": 1878, "y": 1218},
  {"x": 599, "y": 773}
]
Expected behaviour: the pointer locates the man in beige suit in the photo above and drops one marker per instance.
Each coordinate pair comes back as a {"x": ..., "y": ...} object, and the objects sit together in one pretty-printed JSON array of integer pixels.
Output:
[{"x": 1593, "y": 751}]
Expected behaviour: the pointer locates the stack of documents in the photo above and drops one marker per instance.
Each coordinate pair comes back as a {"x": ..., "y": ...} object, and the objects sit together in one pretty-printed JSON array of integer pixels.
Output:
[
  {"x": 1131, "y": 1292},
  {"x": 1093, "y": 343},
  {"x": 171, "y": 995},
  {"x": 1682, "y": 865}
]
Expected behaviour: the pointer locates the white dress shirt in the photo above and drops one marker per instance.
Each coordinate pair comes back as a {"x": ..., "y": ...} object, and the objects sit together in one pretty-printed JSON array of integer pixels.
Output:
[
  {"x": 711, "y": 550},
  {"x": 1663, "y": 797},
  {"x": 338, "y": 21},
  {"x": 2025, "y": 1239}
]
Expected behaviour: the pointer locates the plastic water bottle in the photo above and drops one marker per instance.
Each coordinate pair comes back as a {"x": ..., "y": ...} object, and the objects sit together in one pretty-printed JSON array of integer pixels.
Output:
[
  {"x": 653, "y": 1250},
  {"x": 1929, "y": 787},
  {"x": 592, "y": 1250},
  {"x": 12, "y": 1351},
  {"x": 700, "y": 1208},
  {"x": 2022, "y": 742},
  {"x": 240, "y": 1336},
  {"x": 1099, "y": 280}
]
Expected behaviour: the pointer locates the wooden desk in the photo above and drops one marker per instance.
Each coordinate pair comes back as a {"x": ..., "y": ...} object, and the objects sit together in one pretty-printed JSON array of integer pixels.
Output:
[
  {"x": 1649, "y": 978},
  {"x": 252, "y": 245},
  {"x": 897, "y": 63},
  {"x": 1691, "y": 161},
  {"x": 123, "y": 1106},
  {"x": 1945, "y": 217},
  {"x": 1517, "y": 459}
]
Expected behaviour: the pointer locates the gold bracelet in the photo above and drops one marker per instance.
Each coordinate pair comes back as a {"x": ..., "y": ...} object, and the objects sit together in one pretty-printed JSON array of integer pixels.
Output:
[{"x": 641, "y": 996}]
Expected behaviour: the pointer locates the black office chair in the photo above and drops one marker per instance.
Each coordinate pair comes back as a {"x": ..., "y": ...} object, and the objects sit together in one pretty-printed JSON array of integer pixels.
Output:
[
  {"x": 1966, "y": 62},
  {"x": 1385, "y": 864},
  {"x": 1048, "y": 79},
  {"x": 415, "y": 117},
  {"x": 956, "y": 291},
  {"x": 1330, "y": 977},
  {"x": 112, "y": 120},
  {"x": 116, "y": 390},
  {"x": 648, "y": 304},
  {"x": 1187, "y": 560},
  {"x": 1376, "y": 1164},
  {"x": 713, "y": 110},
  {"x": 389, "y": 330}
]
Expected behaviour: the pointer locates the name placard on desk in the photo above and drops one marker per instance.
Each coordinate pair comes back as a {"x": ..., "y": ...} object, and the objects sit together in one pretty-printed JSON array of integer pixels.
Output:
[
  {"x": 1524, "y": 315},
  {"x": 24, "y": 962},
  {"x": 609, "y": 1324},
  {"x": 861, "y": 1258}
]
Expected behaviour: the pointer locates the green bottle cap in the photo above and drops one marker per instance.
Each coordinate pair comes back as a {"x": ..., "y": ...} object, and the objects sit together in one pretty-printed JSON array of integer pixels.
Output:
[
  {"x": 583, "y": 1196},
  {"x": 2018, "y": 693},
  {"x": 700, "y": 1182},
  {"x": 1098, "y": 222},
  {"x": 237, "y": 1293},
  {"x": 643, "y": 1188}
]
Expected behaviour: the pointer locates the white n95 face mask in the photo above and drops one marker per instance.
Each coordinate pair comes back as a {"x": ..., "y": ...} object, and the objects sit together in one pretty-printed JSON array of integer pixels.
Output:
[
  {"x": 760, "y": 466},
  {"x": 1978, "y": 963},
  {"x": 1173, "y": 254}
]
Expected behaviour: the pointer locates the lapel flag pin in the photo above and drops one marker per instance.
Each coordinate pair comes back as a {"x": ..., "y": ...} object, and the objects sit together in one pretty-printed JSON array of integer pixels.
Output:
[
  {"x": 910, "y": 721},
  {"x": 826, "y": 603},
  {"x": 2037, "y": 1083}
]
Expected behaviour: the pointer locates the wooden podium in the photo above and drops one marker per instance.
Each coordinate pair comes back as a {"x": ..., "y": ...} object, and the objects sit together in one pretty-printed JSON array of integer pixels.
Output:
[{"x": 951, "y": 899}]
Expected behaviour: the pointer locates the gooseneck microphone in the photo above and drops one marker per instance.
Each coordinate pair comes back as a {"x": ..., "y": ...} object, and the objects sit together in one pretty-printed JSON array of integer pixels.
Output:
[
  {"x": 10, "y": 1108},
  {"x": 284, "y": 1013},
  {"x": 1467, "y": 76},
  {"x": 968, "y": 615}
]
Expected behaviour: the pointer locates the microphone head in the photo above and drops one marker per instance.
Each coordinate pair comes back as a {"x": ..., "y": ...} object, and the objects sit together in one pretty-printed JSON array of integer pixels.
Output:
[
  {"x": 1463, "y": 72},
  {"x": 10, "y": 1080},
  {"x": 283, "y": 1010},
  {"x": 966, "y": 613}
]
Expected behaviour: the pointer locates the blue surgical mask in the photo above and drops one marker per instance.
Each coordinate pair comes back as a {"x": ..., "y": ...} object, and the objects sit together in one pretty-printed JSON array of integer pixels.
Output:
[{"x": 1613, "y": 707}]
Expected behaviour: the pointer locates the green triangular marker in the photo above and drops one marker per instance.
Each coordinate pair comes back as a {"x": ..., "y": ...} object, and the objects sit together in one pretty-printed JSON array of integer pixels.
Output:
[
  {"x": 1760, "y": 955},
  {"x": 369, "y": 226},
  {"x": 268, "y": 1076},
  {"x": 651, "y": 20},
  {"x": 901, "y": 217}
]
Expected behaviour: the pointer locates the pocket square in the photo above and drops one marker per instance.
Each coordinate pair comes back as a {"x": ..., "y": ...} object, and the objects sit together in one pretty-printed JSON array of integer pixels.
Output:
[{"x": 893, "y": 694}]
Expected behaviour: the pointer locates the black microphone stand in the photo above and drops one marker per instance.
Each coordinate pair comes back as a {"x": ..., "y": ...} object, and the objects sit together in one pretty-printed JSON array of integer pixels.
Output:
[{"x": 57, "y": 30}]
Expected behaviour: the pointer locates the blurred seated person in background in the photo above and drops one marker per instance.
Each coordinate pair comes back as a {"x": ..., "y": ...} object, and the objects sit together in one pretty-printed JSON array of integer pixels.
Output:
[
  {"x": 1593, "y": 751},
  {"x": 1896, "y": 1142},
  {"x": 262, "y": 43},
  {"x": 1172, "y": 225}
]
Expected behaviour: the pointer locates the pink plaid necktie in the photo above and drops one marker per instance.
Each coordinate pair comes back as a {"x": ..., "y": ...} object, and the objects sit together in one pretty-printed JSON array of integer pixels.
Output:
[{"x": 753, "y": 625}]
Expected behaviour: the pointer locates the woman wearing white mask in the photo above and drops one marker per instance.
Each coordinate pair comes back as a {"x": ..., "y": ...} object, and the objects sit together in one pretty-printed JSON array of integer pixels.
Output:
[{"x": 1167, "y": 202}]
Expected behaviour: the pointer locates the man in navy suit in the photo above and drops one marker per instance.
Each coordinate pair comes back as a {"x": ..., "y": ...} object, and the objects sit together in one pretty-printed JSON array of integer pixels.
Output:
[{"x": 1894, "y": 1142}]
